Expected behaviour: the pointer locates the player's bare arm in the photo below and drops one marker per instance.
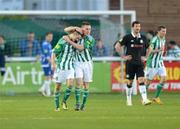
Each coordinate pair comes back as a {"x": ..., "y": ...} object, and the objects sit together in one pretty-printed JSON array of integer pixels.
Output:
[
  {"x": 118, "y": 49},
  {"x": 53, "y": 56},
  {"x": 70, "y": 29},
  {"x": 75, "y": 45}
]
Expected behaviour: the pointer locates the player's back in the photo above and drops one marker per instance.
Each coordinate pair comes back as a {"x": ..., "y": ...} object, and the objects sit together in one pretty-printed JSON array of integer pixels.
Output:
[{"x": 65, "y": 54}]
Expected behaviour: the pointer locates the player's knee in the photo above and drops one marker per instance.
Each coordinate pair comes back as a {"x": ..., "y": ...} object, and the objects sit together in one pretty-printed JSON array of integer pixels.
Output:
[
  {"x": 70, "y": 82},
  {"x": 58, "y": 87},
  {"x": 141, "y": 80},
  {"x": 86, "y": 85},
  {"x": 148, "y": 82},
  {"x": 163, "y": 80},
  {"x": 78, "y": 83}
]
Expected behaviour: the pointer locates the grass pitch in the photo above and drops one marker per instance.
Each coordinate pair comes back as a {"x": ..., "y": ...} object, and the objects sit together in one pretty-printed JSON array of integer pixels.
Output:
[{"x": 103, "y": 111}]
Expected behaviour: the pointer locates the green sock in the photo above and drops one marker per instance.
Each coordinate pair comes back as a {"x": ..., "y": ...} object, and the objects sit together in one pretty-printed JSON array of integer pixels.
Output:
[
  {"x": 67, "y": 94},
  {"x": 85, "y": 96},
  {"x": 56, "y": 99},
  {"x": 158, "y": 90},
  {"x": 77, "y": 94}
]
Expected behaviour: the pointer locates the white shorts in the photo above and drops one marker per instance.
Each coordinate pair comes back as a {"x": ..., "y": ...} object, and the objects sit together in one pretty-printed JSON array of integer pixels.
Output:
[
  {"x": 84, "y": 70},
  {"x": 60, "y": 76},
  {"x": 150, "y": 73}
]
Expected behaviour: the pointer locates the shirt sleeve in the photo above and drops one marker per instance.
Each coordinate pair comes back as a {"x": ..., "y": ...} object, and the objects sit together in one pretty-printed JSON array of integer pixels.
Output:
[
  {"x": 59, "y": 47},
  {"x": 152, "y": 43},
  {"x": 123, "y": 41},
  {"x": 89, "y": 42}
]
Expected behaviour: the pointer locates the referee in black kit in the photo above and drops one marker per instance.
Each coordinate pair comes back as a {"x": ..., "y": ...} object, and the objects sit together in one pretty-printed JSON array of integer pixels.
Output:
[{"x": 135, "y": 45}]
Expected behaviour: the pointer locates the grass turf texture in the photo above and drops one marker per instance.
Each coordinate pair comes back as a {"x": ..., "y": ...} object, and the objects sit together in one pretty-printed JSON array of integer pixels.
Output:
[{"x": 103, "y": 111}]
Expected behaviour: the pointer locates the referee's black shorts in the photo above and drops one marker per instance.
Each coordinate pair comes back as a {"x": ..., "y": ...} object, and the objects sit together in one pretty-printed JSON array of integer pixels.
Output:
[{"x": 133, "y": 69}]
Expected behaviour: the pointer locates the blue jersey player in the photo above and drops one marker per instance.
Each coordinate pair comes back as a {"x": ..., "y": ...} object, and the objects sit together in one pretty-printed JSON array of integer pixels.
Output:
[{"x": 46, "y": 64}]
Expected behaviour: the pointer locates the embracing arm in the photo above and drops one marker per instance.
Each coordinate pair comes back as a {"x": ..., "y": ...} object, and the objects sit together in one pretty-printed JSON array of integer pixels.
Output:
[
  {"x": 53, "y": 56},
  {"x": 70, "y": 29},
  {"x": 75, "y": 45}
]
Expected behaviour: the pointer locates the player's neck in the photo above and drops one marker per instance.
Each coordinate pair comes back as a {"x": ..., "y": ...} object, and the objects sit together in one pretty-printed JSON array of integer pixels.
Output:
[
  {"x": 161, "y": 37},
  {"x": 136, "y": 34}
]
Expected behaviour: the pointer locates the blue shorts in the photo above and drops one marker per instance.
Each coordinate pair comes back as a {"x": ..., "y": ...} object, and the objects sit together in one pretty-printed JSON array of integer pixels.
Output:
[{"x": 47, "y": 71}]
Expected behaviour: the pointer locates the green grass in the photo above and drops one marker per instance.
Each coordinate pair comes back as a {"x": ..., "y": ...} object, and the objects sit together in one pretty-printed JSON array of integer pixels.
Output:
[{"x": 103, "y": 111}]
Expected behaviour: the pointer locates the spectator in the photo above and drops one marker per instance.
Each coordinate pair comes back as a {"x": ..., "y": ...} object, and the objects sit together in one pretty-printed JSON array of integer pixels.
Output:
[
  {"x": 30, "y": 47},
  {"x": 100, "y": 49},
  {"x": 115, "y": 52},
  {"x": 149, "y": 35},
  {"x": 2, "y": 55},
  {"x": 172, "y": 49}
]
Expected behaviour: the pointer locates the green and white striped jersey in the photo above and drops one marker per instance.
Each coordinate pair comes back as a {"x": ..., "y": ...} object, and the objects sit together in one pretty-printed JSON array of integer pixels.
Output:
[
  {"x": 64, "y": 55},
  {"x": 155, "y": 60},
  {"x": 86, "y": 54}
]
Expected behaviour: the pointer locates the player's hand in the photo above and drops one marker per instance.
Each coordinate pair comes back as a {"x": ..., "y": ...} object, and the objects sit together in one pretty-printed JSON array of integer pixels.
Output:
[
  {"x": 53, "y": 67},
  {"x": 67, "y": 39},
  {"x": 143, "y": 59},
  {"x": 128, "y": 57}
]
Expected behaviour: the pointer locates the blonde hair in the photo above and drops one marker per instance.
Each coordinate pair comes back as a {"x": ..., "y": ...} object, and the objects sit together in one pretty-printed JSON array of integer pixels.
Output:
[{"x": 72, "y": 35}]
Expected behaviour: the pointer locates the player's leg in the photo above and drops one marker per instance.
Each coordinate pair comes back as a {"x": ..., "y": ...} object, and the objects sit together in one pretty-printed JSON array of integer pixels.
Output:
[
  {"x": 59, "y": 79},
  {"x": 130, "y": 73},
  {"x": 85, "y": 93},
  {"x": 87, "y": 78},
  {"x": 162, "y": 74},
  {"x": 67, "y": 93},
  {"x": 150, "y": 74},
  {"x": 129, "y": 93},
  {"x": 69, "y": 75},
  {"x": 57, "y": 96},
  {"x": 49, "y": 79},
  {"x": 79, "y": 83},
  {"x": 141, "y": 82},
  {"x": 45, "y": 88}
]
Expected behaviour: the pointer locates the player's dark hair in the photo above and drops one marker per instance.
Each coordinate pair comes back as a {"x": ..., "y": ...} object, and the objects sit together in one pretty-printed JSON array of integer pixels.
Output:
[
  {"x": 30, "y": 32},
  {"x": 161, "y": 27},
  {"x": 85, "y": 23},
  {"x": 135, "y": 22},
  {"x": 47, "y": 33}
]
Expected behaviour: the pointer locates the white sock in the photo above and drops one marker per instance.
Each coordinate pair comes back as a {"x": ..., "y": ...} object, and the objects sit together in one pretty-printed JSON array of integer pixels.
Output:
[
  {"x": 142, "y": 90},
  {"x": 129, "y": 94},
  {"x": 47, "y": 87}
]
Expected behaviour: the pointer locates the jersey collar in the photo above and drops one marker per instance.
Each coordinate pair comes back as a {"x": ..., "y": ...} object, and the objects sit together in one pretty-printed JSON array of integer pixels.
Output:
[{"x": 138, "y": 36}]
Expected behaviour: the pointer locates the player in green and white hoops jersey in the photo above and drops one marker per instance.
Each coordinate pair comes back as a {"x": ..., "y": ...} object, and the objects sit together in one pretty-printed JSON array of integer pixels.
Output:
[
  {"x": 63, "y": 65},
  {"x": 154, "y": 64},
  {"x": 83, "y": 64}
]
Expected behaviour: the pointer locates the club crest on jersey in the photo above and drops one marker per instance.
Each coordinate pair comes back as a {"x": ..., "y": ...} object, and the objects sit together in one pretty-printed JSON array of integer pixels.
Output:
[
  {"x": 141, "y": 41},
  {"x": 132, "y": 41}
]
